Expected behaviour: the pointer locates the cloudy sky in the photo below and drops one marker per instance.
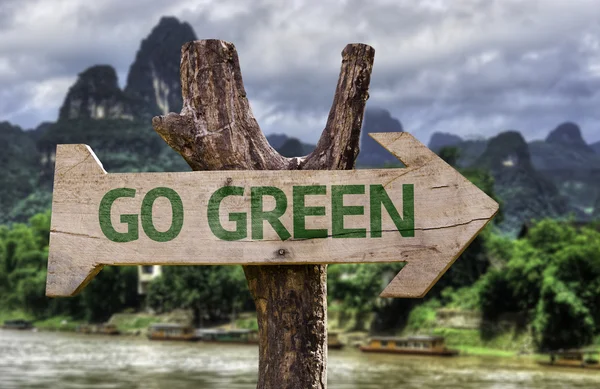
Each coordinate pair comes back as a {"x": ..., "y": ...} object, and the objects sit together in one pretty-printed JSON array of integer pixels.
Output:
[{"x": 469, "y": 67}]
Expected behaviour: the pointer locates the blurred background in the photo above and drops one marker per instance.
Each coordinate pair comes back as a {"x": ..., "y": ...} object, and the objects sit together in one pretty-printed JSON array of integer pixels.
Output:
[{"x": 507, "y": 92}]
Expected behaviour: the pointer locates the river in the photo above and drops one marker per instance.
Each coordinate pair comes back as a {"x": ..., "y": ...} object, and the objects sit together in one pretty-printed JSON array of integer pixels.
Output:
[{"x": 47, "y": 360}]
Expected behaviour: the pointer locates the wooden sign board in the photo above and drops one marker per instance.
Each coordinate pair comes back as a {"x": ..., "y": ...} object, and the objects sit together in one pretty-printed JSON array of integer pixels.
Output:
[{"x": 425, "y": 215}]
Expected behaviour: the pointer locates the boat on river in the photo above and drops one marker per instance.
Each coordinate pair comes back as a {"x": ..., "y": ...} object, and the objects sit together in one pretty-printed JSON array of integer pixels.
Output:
[
  {"x": 171, "y": 331},
  {"x": 218, "y": 335},
  {"x": 580, "y": 358},
  {"x": 18, "y": 324},
  {"x": 415, "y": 345}
]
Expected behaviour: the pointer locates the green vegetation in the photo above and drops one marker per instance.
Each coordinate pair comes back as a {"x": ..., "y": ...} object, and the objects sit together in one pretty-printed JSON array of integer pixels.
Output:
[
  {"x": 14, "y": 315},
  {"x": 249, "y": 323},
  {"x": 507, "y": 341},
  {"x": 423, "y": 316},
  {"x": 213, "y": 293},
  {"x": 23, "y": 261},
  {"x": 482, "y": 351},
  {"x": 546, "y": 286},
  {"x": 553, "y": 276},
  {"x": 19, "y": 160},
  {"x": 127, "y": 322},
  {"x": 58, "y": 323}
]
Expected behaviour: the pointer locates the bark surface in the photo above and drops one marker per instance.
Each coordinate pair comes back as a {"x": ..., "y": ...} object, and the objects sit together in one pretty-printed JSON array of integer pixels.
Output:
[{"x": 216, "y": 130}]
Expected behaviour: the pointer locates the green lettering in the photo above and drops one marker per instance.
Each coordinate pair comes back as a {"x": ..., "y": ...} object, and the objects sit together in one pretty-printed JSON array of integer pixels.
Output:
[
  {"x": 301, "y": 211},
  {"x": 176, "y": 219},
  {"x": 406, "y": 225},
  {"x": 258, "y": 215},
  {"x": 338, "y": 210},
  {"x": 104, "y": 217},
  {"x": 214, "y": 204}
]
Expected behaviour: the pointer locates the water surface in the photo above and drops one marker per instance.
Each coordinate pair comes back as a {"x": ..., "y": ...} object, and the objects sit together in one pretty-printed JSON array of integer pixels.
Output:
[{"x": 72, "y": 361}]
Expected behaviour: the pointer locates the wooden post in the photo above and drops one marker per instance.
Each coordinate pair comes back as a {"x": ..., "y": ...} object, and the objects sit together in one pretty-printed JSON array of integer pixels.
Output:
[{"x": 216, "y": 130}]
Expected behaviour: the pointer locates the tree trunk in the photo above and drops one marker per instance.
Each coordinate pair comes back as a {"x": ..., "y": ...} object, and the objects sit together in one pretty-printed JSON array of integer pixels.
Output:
[{"x": 216, "y": 130}]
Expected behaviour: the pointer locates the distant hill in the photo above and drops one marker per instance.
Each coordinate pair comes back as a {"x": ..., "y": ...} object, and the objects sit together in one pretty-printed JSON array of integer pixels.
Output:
[
  {"x": 470, "y": 150},
  {"x": 564, "y": 159},
  {"x": 439, "y": 140},
  {"x": 525, "y": 192},
  {"x": 372, "y": 154},
  {"x": 277, "y": 140},
  {"x": 596, "y": 147},
  {"x": 153, "y": 80},
  {"x": 289, "y": 146},
  {"x": 114, "y": 122},
  {"x": 20, "y": 163},
  {"x": 96, "y": 95},
  {"x": 568, "y": 135},
  {"x": 563, "y": 149},
  {"x": 40, "y": 130},
  {"x": 571, "y": 164},
  {"x": 121, "y": 145},
  {"x": 117, "y": 123}
]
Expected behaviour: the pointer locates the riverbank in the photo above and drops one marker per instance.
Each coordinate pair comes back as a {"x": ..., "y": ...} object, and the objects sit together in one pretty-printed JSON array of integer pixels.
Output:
[
  {"x": 127, "y": 323},
  {"x": 472, "y": 342},
  {"x": 468, "y": 341}
]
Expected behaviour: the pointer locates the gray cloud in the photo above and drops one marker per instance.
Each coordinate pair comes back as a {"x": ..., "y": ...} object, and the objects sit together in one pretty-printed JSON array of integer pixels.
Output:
[{"x": 474, "y": 67}]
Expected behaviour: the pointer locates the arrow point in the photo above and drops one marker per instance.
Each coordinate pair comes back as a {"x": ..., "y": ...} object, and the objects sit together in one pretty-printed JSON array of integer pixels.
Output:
[{"x": 419, "y": 275}]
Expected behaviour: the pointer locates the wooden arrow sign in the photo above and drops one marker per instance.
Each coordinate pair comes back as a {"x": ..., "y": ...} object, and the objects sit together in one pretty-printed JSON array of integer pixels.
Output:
[{"x": 425, "y": 215}]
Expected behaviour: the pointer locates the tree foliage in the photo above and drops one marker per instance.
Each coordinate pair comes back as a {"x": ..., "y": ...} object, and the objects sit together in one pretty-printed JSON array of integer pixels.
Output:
[
  {"x": 212, "y": 292},
  {"x": 23, "y": 262},
  {"x": 553, "y": 275}
]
